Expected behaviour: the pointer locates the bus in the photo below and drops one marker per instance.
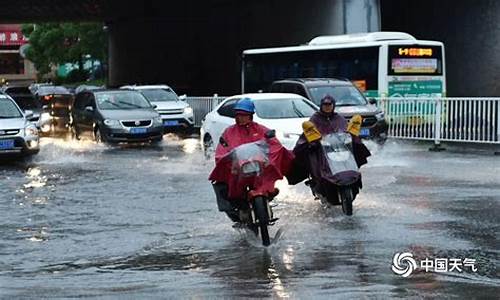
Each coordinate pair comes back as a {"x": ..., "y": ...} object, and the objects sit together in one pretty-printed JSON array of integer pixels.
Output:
[{"x": 381, "y": 64}]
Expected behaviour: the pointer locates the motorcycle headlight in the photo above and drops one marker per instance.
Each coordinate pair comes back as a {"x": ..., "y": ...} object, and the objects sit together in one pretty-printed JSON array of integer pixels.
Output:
[
  {"x": 111, "y": 123},
  {"x": 30, "y": 130},
  {"x": 380, "y": 116},
  {"x": 188, "y": 110}
]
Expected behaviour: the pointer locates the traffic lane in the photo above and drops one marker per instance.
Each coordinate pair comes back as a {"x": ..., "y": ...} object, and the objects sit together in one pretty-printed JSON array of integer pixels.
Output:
[{"x": 175, "y": 239}]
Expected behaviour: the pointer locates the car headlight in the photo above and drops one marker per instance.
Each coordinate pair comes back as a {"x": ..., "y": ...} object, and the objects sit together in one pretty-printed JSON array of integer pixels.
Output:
[
  {"x": 380, "y": 116},
  {"x": 30, "y": 130},
  {"x": 291, "y": 135},
  {"x": 45, "y": 116},
  {"x": 280, "y": 135},
  {"x": 158, "y": 120},
  {"x": 188, "y": 110},
  {"x": 112, "y": 123}
]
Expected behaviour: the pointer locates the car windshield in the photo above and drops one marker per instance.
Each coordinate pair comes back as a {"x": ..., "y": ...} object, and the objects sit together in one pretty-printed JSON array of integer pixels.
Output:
[
  {"x": 8, "y": 109},
  {"x": 51, "y": 90},
  {"x": 17, "y": 90},
  {"x": 155, "y": 95},
  {"x": 121, "y": 100},
  {"x": 283, "y": 108},
  {"x": 27, "y": 103},
  {"x": 344, "y": 95}
]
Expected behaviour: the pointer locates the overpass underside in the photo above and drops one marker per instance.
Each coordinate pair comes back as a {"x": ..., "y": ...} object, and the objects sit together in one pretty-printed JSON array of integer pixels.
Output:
[{"x": 195, "y": 46}]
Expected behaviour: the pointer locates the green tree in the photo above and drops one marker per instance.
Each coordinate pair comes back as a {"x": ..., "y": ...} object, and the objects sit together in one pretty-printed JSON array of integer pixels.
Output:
[{"x": 52, "y": 44}]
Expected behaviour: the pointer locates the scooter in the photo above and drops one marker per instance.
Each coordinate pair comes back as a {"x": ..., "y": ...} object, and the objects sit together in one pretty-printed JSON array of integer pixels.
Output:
[
  {"x": 243, "y": 181},
  {"x": 340, "y": 181}
]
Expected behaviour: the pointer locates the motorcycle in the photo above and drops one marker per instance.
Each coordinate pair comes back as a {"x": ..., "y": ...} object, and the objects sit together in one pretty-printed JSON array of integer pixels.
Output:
[
  {"x": 339, "y": 183},
  {"x": 243, "y": 181}
]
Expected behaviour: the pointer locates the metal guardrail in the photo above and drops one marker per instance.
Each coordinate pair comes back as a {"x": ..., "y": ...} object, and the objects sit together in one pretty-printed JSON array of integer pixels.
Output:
[
  {"x": 474, "y": 120},
  {"x": 202, "y": 106}
]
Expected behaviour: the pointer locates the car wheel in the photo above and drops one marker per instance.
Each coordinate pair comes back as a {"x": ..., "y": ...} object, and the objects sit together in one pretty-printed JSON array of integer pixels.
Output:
[
  {"x": 98, "y": 136},
  {"x": 74, "y": 133},
  {"x": 208, "y": 146}
]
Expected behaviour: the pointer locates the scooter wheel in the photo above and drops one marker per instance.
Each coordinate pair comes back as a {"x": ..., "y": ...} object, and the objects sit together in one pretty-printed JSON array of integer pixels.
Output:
[{"x": 347, "y": 197}]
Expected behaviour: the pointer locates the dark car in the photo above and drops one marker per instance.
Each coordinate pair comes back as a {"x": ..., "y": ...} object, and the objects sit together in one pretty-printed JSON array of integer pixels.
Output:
[
  {"x": 349, "y": 101},
  {"x": 56, "y": 104},
  {"x": 115, "y": 116},
  {"x": 26, "y": 101}
]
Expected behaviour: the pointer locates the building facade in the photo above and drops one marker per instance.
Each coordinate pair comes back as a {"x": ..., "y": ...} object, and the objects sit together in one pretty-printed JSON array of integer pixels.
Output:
[{"x": 14, "y": 68}]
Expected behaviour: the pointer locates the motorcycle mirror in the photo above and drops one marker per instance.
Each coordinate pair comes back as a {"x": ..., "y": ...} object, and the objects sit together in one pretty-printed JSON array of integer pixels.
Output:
[{"x": 270, "y": 134}]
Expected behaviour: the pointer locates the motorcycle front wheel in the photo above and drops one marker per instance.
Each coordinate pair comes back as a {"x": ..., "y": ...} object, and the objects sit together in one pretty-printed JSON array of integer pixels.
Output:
[{"x": 261, "y": 216}]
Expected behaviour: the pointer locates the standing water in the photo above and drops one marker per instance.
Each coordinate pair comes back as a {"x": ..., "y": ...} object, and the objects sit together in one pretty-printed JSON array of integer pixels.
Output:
[{"x": 85, "y": 220}]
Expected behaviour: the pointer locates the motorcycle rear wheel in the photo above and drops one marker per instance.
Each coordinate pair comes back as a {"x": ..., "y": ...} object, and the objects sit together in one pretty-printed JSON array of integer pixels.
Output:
[
  {"x": 347, "y": 196},
  {"x": 261, "y": 216}
]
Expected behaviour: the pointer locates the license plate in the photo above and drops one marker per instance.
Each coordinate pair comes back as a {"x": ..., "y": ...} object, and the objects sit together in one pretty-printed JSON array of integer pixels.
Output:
[
  {"x": 6, "y": 144},
  {"x": 171, "y": 123},
  {"x": 364, "y": 132},
  {"x": 138, "y": 130}
]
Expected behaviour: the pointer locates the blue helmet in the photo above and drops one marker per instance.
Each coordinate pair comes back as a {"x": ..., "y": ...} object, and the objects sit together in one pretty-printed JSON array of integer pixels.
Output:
[{"x": 245, "y": 104}]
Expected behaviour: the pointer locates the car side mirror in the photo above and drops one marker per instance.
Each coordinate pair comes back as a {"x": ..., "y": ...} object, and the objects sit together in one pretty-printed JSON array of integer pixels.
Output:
[
  {"x": 155, "y": 106},
  {"x": 45, "y": 107},
  {"x": 28, "y": 114},
  {"x": 270, "y": 134},
  {"x": 183, "y": 97},
  {"x": 372, "y": 101},
  {"x": 89, "y": 109}
]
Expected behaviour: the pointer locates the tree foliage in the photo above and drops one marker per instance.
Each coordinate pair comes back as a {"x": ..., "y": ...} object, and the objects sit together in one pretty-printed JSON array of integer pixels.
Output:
[{"x": 52, "y": 44}]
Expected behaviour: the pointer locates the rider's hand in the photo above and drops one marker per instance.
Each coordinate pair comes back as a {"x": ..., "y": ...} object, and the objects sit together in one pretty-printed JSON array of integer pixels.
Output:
[{"x": 270, "y": 134}]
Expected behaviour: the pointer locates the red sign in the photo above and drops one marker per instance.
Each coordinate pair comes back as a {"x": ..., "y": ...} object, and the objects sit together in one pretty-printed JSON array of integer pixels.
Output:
[{"x": 11, "y": 35}]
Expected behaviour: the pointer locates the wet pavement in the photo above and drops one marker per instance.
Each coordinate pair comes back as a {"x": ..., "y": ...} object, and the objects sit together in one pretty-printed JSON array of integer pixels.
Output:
[{"x": 85, "y": 220}]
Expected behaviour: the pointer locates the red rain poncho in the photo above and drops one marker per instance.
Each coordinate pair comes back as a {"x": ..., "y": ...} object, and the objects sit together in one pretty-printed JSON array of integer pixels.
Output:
[{"x": 279, "y": 161}]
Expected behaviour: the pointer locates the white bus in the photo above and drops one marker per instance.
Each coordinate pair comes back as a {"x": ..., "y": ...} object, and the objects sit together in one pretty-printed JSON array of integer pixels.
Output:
[{"x": 381, "y": 64}]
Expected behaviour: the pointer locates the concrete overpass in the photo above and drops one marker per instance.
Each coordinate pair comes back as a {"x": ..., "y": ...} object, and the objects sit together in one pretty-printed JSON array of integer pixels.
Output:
[{"x": 195, "y": 46}]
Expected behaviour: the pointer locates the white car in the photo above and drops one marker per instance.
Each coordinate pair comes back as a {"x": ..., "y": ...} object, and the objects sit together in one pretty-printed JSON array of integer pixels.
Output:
[
  {"x": 18, "y": 136},
  {"x": 175, "y": 113},
  {"x": 281, "y": 112}
]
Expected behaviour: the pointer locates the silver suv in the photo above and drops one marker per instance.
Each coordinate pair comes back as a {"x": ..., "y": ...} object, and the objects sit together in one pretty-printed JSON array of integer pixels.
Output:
[
  {"x": 18, "y": 136},
  {"x": 349, "y": 99},
  {"x": 176, "y": 114}
]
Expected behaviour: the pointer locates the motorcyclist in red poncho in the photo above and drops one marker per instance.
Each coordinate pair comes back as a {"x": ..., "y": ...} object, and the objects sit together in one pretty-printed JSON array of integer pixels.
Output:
[
  {"x": 246, "y": 131},
  {"x": 241, "y": 145}
]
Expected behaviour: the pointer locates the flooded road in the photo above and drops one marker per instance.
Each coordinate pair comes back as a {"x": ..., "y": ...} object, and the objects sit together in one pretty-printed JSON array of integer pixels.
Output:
[{"x": 85, "y": 220}]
